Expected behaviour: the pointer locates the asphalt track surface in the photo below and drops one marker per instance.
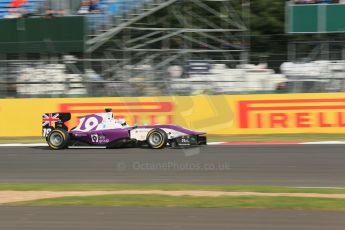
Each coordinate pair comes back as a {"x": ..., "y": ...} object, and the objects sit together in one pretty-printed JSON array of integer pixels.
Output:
[
  {"x": 295, "y": 165},
  {"x": 84, "y": 218},
  {"x": 291, "y": 165}
]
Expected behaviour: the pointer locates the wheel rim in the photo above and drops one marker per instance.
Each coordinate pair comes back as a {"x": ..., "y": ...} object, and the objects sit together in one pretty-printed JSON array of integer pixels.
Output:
[
  {"x": 56, "y": 139},
  {"x": 155, "y": 139}
]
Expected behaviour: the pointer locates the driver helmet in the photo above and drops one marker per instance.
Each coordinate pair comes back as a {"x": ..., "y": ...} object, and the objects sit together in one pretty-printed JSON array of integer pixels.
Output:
[{"x": 109, "y": 113}]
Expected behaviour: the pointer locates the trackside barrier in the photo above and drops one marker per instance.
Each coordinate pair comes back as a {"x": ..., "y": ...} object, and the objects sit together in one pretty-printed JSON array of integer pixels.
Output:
[{"x": 248, "y": 114}]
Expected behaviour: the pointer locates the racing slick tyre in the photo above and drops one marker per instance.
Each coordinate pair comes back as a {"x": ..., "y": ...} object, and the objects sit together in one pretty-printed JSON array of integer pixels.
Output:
[
  {"x": 58, "y": 139},
  {"x": 157, "y": 139}
]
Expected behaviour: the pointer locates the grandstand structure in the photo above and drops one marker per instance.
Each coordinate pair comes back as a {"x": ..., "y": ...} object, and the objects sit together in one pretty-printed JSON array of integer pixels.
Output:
[
  {"x": 160, "y": 33},
  {"x": 7, "y": 7},
  {"x": 148, "y": 29},
  {"x": 120, "y": 39}
]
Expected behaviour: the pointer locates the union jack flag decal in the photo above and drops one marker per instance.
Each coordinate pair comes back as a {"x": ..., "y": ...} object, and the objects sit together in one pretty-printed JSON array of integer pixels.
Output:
[{"x": 49, "y": 119}]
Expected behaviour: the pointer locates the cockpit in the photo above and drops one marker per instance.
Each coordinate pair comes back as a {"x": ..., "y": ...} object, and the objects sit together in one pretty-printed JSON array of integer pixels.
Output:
[{"x": 110, "y": 120}]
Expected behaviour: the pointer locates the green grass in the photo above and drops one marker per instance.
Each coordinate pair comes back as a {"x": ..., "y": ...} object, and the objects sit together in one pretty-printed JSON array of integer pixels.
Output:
[
  {"x": 184, "y": 201},
  {"x": 216, "y": 138},
  {"x": 195, "y": 202},
  {"x": 165, "y": 187}
]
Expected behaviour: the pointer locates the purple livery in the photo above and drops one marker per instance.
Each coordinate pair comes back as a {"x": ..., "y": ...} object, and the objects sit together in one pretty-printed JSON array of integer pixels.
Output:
[{"x": 103, "y": 130}]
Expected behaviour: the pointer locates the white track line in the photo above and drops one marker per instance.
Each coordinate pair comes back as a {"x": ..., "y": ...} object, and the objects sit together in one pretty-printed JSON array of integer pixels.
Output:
[
  {"x": 216, "y": 143},
  {"x": 24, "y": 145},
  {"x": 45, "y": 145},
  {"x": 324, "y": 143},
  {"x": 211, "y": 143}
]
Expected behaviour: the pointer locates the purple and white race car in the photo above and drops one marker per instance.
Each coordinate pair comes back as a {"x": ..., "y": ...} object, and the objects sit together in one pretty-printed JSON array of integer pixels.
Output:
[{"x": 103, "y": 130}]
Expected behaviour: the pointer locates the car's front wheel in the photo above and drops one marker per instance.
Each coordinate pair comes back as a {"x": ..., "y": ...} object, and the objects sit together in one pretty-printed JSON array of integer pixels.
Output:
[
  {"x": 58, "y": 139},
  {"x": 157, "y": 139}
]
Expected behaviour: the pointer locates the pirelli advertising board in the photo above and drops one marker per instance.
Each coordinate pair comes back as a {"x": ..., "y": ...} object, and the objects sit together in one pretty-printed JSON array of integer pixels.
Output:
[{"x": 249, "y": 114}]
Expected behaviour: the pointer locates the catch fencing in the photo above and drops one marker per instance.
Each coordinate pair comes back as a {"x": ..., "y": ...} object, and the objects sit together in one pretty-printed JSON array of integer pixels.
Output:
[{"x": 71, "y": 77}]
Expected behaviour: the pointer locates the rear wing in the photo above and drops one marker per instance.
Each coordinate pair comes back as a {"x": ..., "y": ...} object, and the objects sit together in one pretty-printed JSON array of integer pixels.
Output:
[{"x": 51, "y": 121}]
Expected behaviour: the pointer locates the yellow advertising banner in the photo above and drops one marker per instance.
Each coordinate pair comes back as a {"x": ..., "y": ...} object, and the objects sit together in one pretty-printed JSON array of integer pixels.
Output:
[{"x": 235, "y": 114}]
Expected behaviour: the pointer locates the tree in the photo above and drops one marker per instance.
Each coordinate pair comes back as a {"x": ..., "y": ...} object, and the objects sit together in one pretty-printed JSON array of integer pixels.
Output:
[{"x": 268, "y": 39}]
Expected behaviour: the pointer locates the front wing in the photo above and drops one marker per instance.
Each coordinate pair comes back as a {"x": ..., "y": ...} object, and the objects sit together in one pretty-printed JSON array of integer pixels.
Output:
[{"x": 190, "y": 140}]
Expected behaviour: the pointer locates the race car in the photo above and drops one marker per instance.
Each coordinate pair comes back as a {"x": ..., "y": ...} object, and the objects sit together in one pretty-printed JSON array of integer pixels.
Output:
[{"x": 104, "y": 130}]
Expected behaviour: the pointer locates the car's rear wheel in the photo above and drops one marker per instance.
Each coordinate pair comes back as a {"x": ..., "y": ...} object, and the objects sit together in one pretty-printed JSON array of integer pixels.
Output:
[
  {"x": 58, "y": 139},
  {"x": 157, "y": 139}
]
